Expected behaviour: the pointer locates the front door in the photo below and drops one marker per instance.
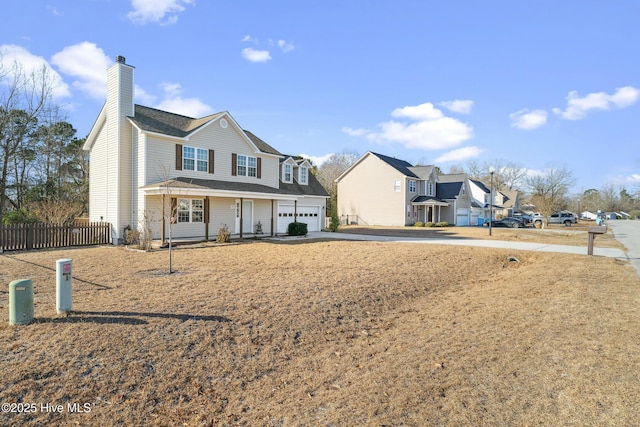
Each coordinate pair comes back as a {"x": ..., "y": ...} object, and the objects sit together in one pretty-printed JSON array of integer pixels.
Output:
[{"x": 247, "y": 216}]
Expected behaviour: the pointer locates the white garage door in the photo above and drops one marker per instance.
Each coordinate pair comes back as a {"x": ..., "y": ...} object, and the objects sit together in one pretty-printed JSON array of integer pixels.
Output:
[
  {"x": 462, "y": 217},
  {"x": 310, "y": 215}
]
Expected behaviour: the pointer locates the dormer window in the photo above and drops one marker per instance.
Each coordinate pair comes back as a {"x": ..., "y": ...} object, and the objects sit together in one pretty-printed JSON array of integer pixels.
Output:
[
  {"x": 303, "y": 175},
  {"x": 286, "y": 172}
]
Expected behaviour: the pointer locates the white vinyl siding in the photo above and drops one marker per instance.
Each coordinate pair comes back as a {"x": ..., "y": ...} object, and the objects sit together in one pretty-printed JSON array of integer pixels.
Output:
[{"x": 161, "y": 157}]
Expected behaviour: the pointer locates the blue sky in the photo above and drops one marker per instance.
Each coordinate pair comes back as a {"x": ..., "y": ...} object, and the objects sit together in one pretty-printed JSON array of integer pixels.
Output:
[{"x": 539, "y": 83}]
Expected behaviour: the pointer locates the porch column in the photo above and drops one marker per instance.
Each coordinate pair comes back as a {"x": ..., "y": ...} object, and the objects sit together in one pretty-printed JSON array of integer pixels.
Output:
[
  {"x": 241, "y": 199},
  {"x": 271, "y": 217},
  {"x": 206, "y": 218}
]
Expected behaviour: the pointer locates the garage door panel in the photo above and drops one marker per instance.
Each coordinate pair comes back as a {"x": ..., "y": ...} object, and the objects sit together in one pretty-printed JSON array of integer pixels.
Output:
[{"x": 310, "y": 215}]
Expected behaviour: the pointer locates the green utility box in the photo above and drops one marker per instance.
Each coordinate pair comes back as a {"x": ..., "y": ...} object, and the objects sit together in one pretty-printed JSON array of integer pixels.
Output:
[{"x": 20, "y": 302}]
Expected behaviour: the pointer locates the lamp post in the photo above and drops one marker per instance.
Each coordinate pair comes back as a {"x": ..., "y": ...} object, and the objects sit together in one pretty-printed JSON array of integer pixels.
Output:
[{"x": 491, "y": 171}]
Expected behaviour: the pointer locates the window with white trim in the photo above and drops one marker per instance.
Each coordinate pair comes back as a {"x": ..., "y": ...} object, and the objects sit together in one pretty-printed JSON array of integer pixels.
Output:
[
  {"x": 396, "y": 185},
  {"x": 430, "y": 191},
  {"x": 412, "y": 186},
  {"x": 190, "y": 210},
  {"x": 303, "y": 175},
  {"x": 195, "y": 159},
  {"x": 286, "y": 172},
  {"x": 247, "y": 166}
]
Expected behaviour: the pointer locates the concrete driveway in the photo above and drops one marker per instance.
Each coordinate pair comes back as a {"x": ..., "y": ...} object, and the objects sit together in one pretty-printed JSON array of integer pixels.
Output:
[
  {"x": 627, "y": 232},
  {"x": 542, "y": 247}
]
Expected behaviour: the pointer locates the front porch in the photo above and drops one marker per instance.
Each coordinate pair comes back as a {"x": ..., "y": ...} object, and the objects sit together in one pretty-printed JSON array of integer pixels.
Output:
[{"x": 429, "y": 209}]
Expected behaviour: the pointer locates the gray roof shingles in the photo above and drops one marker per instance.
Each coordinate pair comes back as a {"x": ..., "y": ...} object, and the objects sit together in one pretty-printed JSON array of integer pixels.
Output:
[
  {"x": 400, "y": 165},
  {"x": 158, "y": 121}
]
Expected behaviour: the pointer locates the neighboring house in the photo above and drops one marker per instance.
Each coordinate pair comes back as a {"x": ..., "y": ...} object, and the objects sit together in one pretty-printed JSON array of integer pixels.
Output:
[
  {"x": 508, "y": 202},
  {"x": 200, "y": 174},
  {"x": 382, "y": 190}
]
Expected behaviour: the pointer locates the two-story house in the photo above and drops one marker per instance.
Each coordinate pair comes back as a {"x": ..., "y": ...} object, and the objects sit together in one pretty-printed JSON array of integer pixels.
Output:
[
  {"x": 382, "y": 190},
  {"x": 197, "y": 174}
]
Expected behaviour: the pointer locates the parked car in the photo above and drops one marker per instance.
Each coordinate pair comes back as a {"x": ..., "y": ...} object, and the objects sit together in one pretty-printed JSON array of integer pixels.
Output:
[
  {"x": 508, "y": 221},
  {"x": 527, "y": 218},
  {"x": 563, "y": 217}
]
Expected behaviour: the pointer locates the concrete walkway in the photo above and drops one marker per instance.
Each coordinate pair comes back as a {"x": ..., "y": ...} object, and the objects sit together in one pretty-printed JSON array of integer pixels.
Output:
[
  {"x": 627, "y": 232},
  {"x": 579, "y": 250}
]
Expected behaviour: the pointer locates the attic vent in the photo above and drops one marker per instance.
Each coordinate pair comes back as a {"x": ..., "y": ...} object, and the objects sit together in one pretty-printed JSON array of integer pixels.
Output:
[
  {"x": 223, "y": 123},
  {"x": 120, "y": 59}
]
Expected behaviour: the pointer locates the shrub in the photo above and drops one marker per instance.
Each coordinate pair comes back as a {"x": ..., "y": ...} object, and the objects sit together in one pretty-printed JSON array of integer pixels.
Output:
[
  {"x": 131, "y": 236},
  {"x": 297, "y": 229},
  {"x": 223, "y": 234},
  {"x": 442, "y": 224},
  {"x": 419, "y": 224},
  {"x": 429, "y": 224},
  {"x": 334, "y": 224}
]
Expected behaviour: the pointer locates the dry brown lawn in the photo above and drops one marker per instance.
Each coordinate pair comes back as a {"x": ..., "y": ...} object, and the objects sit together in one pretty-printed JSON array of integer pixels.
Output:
[
  {"x": 329, "y": 333},
  {"x": 554, "y": 234}
]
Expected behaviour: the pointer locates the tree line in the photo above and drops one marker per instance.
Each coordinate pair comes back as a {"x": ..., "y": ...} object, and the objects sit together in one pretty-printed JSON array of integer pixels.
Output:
[{"x": 43, "y": 169}]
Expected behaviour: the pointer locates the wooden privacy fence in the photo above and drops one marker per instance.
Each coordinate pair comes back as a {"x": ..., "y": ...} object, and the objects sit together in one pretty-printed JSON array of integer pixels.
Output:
[{"x": 17, "y": 237}]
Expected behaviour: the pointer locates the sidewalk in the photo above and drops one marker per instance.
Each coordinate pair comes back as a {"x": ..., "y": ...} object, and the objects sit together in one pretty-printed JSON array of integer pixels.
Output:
[{"x": 579, "y": 250}]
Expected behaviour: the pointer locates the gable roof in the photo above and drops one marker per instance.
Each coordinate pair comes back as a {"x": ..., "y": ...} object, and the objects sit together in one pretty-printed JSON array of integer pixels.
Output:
[
  {"x": 399, "y": 165},
  {"x": 448, "y": 190},
  {"x": 153, "y": 120},
  {"x": 423, "y": 172},
  {"x": 452, "y": 177},
  {"x": 481, "y": 185},
  {"x": 163, "y": 122},
  {"x": 262, "y": 146}
]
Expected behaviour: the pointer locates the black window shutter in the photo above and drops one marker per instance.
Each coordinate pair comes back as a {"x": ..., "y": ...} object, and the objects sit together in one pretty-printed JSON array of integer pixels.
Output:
[
  {"x": 178, "y": 157},
  {"x": 259, "y": 167},
  {"x": 211, "y": 159},
  {"x": 234, "y": 164}
]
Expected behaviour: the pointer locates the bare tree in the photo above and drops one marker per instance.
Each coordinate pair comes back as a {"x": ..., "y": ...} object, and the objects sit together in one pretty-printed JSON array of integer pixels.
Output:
[
  {"x": 25, "y": 98},
  {"x": 548, "y": 190},
  {"x": 507, "y": 175},
  {"x": 330, "y": 170}
]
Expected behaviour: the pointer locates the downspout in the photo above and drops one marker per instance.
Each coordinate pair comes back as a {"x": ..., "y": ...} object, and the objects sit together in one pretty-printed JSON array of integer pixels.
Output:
[{"x": 271, "y": 217}]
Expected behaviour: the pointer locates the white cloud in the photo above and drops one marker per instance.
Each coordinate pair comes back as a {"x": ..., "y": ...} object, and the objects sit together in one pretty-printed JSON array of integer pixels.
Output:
[
  {"x": 143, "y": 96},
  {"x": 87, "y": 64},
  {"x": 285, "y": 46},
  {"x": 459, "y": 154},
  {"x": 12, "y": 56},
  {"x": 577, "y": 107},
  {"x": 354, "y": 132},
  {"x": 318, "y": 160},
  {"x": 458, "y": 106},
  {"x": 254, "y": 55},
  {"x": 633, "y": 179},
  {"x": 163, "y": 12},
  {"x": 173, "y": 102},
  {"x": 428, "y": 128},
  {"x": 528, "y": 120},
  {"x": 246, "y": 39}
]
